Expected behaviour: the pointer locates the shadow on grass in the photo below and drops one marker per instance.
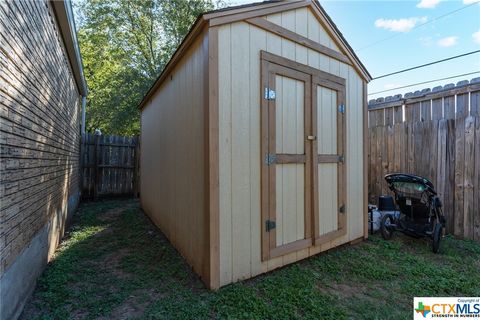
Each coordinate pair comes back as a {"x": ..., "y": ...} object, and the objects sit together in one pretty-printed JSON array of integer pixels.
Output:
[{"x": 114, "y": 264}]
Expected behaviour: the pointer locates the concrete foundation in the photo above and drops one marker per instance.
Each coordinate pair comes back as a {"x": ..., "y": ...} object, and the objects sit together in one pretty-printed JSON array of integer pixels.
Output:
[{"x": 19, "y": 280}]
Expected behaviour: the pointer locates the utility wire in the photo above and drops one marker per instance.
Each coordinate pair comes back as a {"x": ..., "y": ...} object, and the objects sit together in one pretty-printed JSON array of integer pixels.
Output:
[
  {"x": 420, "y": 25},
  {"x": 429, "y": 81},
  {"x": 426, "y": 64}
]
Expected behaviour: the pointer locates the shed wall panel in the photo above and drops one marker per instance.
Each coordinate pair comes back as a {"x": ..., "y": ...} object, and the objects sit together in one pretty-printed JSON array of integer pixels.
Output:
[
  {"x": 258, "y": 41},
  {"x": 173, "y": 157},
  {"x": 240, "y": 195},
  {"x": 240, "y": 147},
  {"x": 308, "y": 25}
]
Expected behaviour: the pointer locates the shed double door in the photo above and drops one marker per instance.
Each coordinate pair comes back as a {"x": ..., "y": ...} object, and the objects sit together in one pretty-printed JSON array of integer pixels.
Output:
[{"x": 302, "y": 149}]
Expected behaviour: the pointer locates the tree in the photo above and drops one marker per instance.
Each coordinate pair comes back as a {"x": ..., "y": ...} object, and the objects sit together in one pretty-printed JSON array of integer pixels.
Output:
[{"x": 124, "y": 45}]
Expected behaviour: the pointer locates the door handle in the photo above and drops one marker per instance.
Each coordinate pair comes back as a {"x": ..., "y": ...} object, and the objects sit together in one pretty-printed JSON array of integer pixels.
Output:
[{"x": 312, "y": 138}]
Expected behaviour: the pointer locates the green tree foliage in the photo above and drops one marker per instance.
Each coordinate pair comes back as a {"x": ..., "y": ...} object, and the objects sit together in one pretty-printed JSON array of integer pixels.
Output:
[{"x": 125, "y": 44}]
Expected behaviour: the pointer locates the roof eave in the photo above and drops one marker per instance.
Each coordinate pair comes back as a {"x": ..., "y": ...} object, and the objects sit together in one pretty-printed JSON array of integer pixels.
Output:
[{"x": 66, "y": 23}]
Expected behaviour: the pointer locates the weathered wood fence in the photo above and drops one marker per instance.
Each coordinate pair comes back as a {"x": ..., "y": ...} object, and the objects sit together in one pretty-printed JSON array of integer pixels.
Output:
[
  {"x": 436, "y": 134},
  {"x": 109, "y": 166}
]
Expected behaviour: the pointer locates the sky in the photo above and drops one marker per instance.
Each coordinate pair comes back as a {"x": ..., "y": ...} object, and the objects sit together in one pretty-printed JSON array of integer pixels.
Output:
[{"x": 388, "y": 36}]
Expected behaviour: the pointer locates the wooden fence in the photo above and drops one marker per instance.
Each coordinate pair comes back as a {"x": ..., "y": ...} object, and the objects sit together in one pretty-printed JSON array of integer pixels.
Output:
[
  {"x": 435, "y": 134},
  {"x": 109, "y": 166}
]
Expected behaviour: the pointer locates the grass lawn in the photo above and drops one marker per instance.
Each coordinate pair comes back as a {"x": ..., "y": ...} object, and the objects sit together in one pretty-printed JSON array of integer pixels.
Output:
[{"x": 114, "y": 264}]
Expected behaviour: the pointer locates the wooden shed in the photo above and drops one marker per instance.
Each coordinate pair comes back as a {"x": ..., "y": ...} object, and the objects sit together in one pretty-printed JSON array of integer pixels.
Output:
[{"x": 253, "y": 141}]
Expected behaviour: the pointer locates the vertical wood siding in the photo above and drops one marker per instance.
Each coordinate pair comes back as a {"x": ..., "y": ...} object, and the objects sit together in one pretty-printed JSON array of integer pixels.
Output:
[
  {"x": 40, "y": 128},
  {"x": 239, "y": 135},
  {"x": 172, "y": 159}
]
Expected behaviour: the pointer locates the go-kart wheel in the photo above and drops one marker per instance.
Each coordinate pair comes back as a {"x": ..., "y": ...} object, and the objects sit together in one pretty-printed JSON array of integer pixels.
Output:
[
  {"x": 385, "y": 226},
  {"x": 437, "y": 236}
]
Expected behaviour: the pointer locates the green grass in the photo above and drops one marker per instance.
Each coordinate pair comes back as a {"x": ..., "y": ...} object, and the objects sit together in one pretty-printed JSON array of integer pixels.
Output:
[{"x": 115, "y": 264}]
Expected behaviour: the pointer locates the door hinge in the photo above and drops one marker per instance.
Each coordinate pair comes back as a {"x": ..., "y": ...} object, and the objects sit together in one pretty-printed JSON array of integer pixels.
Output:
[
  {"x": 269, "y": 94},
  {"x": 341, "y": 209},
  {"x": 341, "y": 159},
  {"x": 341, "y": 108},
  {"x": 270, "y": 158},
  {"x": 269, "y": 225}
]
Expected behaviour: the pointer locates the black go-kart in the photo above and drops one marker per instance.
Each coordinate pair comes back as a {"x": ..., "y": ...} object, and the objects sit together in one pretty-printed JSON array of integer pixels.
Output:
[{"x": 420, "y": 208}]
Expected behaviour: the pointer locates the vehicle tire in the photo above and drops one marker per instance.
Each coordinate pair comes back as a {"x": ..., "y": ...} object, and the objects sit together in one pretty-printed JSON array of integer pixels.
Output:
[
  {"x": 385, "y": 228},
  {"x": 437, "y": 236}
]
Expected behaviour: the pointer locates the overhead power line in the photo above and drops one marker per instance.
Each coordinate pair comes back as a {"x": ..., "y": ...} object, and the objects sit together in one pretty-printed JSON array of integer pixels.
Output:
[
  {"x": 420, "y": 25},
  {"x": 426, "y": 64},
  {"x": 425, "y": 82}
]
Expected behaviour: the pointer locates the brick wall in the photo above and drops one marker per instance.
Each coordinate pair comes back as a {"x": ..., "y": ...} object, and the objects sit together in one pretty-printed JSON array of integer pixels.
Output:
[{"x": 40, "y": 111}]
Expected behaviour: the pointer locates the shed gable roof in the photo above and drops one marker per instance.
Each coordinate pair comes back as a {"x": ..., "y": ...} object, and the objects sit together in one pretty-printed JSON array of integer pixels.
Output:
[{"x": 249, "y": 12}]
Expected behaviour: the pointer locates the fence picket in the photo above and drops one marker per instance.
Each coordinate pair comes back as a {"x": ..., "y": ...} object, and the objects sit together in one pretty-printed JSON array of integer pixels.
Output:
[
  {"x": 475, "y": 104},
  {"x": 410, "y": 148},
  {"x": 371, "y": 164},
  {"x": 388, "y": 116},
  {"x": 462, "y": 106},
  {"x": 449, "y": 200},
  {"x": 398, "y": 114},
  {"x": 449, "y": 107},
  {"x": 397, "y": 148},
  {"x": 469, "y": 177},
  {"x": 432, "y": 147},
  {"x": 459, "y": 173},
  {"x": 383, "y": 147},
  {"x": 409, "y": 111},
  {"x": 437, "y": 112},
  {"x": 425, "y": 110},
  {"x": 441, "y": 167}
]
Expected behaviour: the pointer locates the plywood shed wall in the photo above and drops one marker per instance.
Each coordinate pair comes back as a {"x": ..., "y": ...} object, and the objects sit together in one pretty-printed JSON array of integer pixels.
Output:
[
  {"x": 40, "y": 112},
  {"x": 204, "y": 171},
  {"x": 172, "y": 160}
]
